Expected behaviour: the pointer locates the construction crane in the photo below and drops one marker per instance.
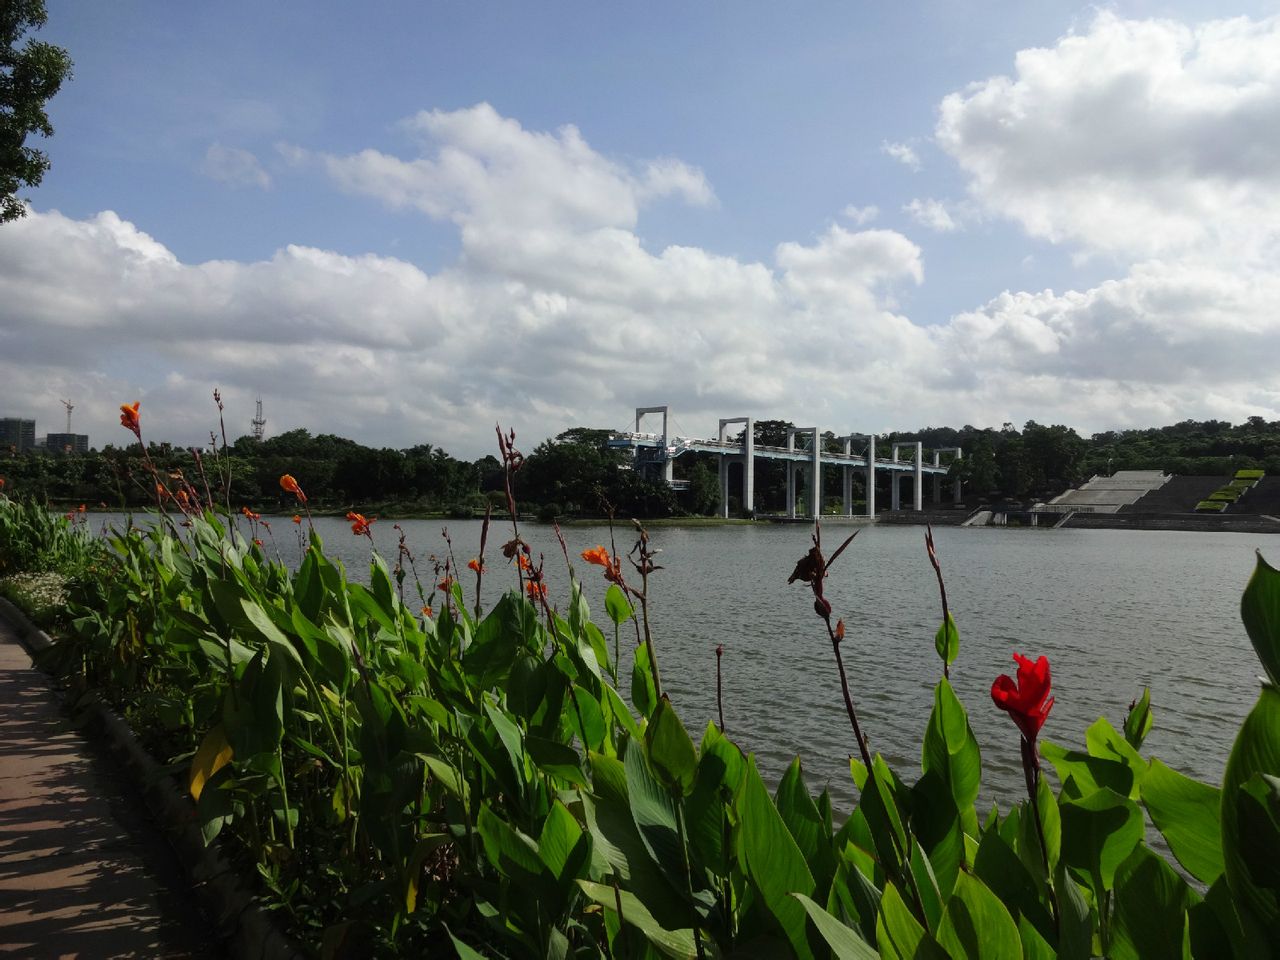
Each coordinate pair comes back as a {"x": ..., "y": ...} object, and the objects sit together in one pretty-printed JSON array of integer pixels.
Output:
[
  {"x": 70, "y": 406},
  {"x": 259, "y": 422}
]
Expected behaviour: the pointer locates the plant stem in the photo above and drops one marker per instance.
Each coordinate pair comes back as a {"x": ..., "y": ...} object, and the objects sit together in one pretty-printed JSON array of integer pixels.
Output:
[{"x": 1031, "y": 771}]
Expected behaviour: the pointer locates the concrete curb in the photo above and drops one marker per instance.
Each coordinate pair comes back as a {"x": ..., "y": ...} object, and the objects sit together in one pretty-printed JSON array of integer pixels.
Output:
[{"x": 248, "y": 931}]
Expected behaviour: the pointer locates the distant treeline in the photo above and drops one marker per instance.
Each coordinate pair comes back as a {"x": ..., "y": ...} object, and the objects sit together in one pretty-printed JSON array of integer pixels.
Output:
[{"x": 577, "y": 474}]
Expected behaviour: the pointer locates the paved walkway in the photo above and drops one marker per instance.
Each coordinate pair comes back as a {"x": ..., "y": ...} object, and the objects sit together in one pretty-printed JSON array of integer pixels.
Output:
[{"x": 81, "y": 873}]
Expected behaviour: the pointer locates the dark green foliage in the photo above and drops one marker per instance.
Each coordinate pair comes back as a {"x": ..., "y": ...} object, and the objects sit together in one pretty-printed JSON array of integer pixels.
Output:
[{"x": 30, "y": 74}]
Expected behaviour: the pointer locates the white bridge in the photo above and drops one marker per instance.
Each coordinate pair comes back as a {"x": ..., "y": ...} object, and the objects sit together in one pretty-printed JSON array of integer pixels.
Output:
[{"x": 658, "y": 451}]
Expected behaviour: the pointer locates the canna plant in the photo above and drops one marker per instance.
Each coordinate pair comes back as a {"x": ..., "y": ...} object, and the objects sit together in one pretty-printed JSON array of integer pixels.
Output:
[{"x": 403, "y": 779}]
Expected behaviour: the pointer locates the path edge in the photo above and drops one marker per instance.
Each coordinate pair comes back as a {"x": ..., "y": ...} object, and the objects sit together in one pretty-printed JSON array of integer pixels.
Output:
[{"x": 247, "y": 929}]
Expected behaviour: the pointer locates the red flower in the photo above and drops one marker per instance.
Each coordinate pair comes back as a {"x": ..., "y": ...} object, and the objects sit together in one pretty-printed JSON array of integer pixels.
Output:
[
  {"x": 426, "y": 611},
  {"x": 297, "y": 519},
  {"x": 129, "y": 418},
  {"x": 290, "y": 485},
  {"x": 475, "y": 566},
  {"x": 360, "y": 524},
  {"x": 445, "y": 584},
  {"x": 1026, "y": 700}
]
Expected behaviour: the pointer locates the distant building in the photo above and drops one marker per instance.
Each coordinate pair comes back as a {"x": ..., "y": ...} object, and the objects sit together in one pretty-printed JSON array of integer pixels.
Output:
[
  {"x": 67, "y": 442},
  {"x": 17, "y": 434}
]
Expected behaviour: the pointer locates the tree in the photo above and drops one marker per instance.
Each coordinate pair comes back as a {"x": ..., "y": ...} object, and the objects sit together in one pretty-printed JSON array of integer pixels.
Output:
[{"x": 29, "y": 77}]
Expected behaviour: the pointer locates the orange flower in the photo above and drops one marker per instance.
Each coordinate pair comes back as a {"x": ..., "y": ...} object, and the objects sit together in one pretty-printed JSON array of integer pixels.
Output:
[
  {"x": 183, "y": 498},
  {"x": 290, "y": 485},
  {"x": 81, "y": 508},
  {"x": 523, "y": 562},
  {"x": 129, "y": 418},
  {"x": 446, "y": 584},
  {"x": 535, "y": 589},
  {"x": 599, "y": 556},
  {"x": 426, "y": 611},
  {"x": 475, "y": 566},
  {"x": 360, "y": 524},
  {"x": 296, "y": 518},
  {"x": 250, "y": 514},
  {"x": 162, "y": 491}
]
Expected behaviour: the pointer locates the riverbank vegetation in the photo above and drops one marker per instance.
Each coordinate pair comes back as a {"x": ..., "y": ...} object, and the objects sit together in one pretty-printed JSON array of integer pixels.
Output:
[
  {"x": 576, "y": 474},
  {"x": 401, "y": 770}
]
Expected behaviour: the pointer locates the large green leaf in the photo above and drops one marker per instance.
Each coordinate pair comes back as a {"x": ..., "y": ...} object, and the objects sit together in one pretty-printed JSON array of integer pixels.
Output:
[
  {"x": 1260, "y": 611},
  {"x": 845, "y": 943},
  {"x": 801, "y": 815},
  {"x": 774, "y": 862},
  {"x": 672, "y": 943},
  {"x": 1186, "y": 812},
  {"x": 1000, "y": 868},
  {"x": 721, "y": 767},
  {"x": 1098, "y": 833},
  {"x": 653, "y": 810},
  {"x": 1106, "y": 743},
  {"x": 513, "y": 853},
  {"x": 1075, "y": 920},
  {"x": 977, "y": 925},
  {"x": 644, "y": 693},
  {"x": 1151, "y": 903},
  {"x": 1081, "y": 773},
  {"x": 670, "y": 749},
  {"x": 951, "y": 751},
  {"x": 1256, "y": 751},
  {"x": 899, "y": 935},
  {"x": 562, "y": 846}
]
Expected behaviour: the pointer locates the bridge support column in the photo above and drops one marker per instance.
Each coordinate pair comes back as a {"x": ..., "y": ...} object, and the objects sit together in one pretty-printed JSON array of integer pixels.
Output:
[
  {"x": 846, "y": 481},
  {"x": 918, "y": 499},
  {"x": 871, "y": 477},
  {"x": 724, "y": 487},
  {"x": 937, "y": 478},
  {"x": 791, "y": 489},
  {"x": 895, "y": 491},
  {"x": 749, "y": 472},
  {"x": 815, "y": 480}
]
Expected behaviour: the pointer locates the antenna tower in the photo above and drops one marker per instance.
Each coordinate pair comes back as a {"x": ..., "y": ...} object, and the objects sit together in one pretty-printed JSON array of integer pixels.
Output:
[
  {"x": 70, "y": 406},
  {"x": 258, "y": 421}
]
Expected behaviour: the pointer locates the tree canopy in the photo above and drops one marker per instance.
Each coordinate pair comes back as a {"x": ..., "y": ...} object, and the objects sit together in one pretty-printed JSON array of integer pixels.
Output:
[{"x": 30, "y": 74}]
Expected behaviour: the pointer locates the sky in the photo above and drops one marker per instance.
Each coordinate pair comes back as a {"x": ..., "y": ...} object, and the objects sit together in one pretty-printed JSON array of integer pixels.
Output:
[{"x": 407, "y": 222}]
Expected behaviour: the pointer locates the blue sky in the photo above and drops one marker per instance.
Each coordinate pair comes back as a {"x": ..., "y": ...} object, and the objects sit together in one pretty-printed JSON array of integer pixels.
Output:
[{"x": 405, "y": 222}]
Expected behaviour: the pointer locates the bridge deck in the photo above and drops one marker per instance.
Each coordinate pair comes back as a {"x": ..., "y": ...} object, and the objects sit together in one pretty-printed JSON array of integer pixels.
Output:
[{"x": 729, "y": 448}]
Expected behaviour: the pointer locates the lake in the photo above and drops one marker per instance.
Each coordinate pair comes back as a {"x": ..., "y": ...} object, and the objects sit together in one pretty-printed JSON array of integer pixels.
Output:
[{"x": 1113, "y": 610}]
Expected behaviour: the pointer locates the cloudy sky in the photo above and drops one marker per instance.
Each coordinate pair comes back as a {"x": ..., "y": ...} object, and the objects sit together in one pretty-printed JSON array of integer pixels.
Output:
[{"x": 404, "y": 222}]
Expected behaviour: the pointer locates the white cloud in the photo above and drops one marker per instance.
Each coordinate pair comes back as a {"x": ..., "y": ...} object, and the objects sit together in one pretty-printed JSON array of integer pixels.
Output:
[
  {"x": 556, "y": 313},
  {"x": 932, "y": 214},
  {"x": 860, "y": 216},
  {"x": 234, "y": 166},
  {"x": 903, "y": 153},
  {"x": 1133, "y": 138}
]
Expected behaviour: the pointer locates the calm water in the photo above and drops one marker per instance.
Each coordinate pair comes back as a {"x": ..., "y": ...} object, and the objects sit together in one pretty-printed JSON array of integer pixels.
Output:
[{"x": 1113, "y": 611}]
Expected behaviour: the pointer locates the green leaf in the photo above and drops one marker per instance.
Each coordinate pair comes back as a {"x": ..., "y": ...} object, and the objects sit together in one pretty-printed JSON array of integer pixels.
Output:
[
  {"x": 512, "y": 740},
  {"x": 977, "y": 925},
  {"x": 799, "y": 812},
  {"x": 1185, "y": 811},
  {"x": 1256, "y": 750},
  {"x": 1075, "y": 920},
  {"x": 1260, "y": 611},
  {"x": 562, "y": 845},
  {"x": 1098, "y": 833},
  {"x": 845, "y": 943},
  {"x": 670, "y": 749},
  {"x": 643, "y": 692},
  {"x": 999, "y": 867},
  {"x": 1139, "y": 721},
  {"x": 1151, "y": 903},
  {"x": 721, "y": 767},
  {"x": 1258, "y": 811},
  {"x": 947, "y": 640},
  {"x": 899, "y": 935},
  {"x": 774, "y": 862},
  {"x": 464, "y": 952},
  {"x": 1034, "y": 945},
  {"x": 617, "y": 605},
  {"x": 951, "y": 750},
  {"x": 672, "y": 943},
  {"x": 1082, "y": 774},
  {"x": 510, "y": 851},
  {"x": 1222, "y": 927},
  {"x": 1105, "y": 743},
  {"x": 653, "y": 810}
]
